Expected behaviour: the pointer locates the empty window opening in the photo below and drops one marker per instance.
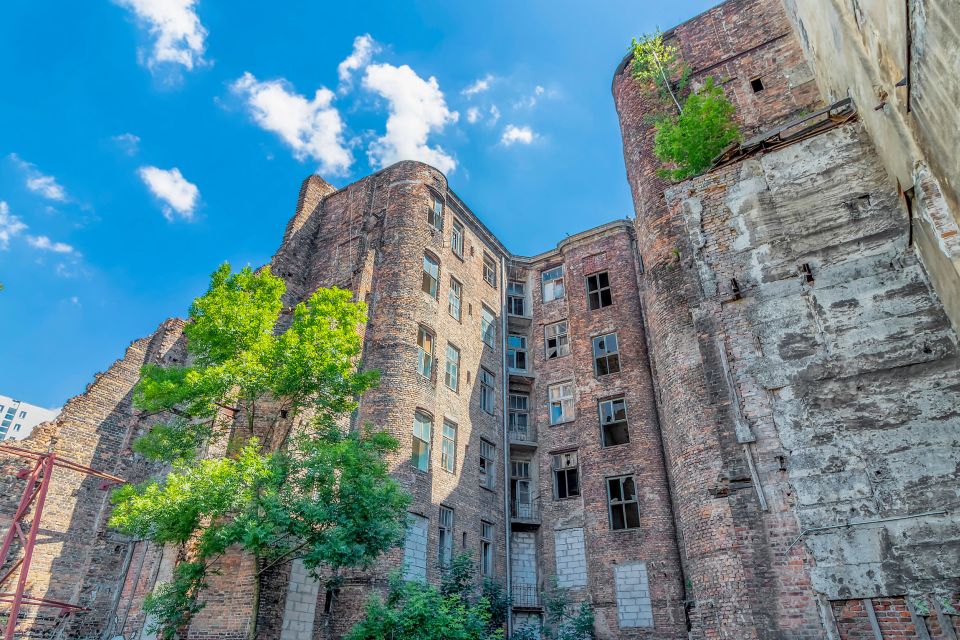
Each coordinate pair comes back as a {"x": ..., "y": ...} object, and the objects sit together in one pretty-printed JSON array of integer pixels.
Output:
[
  {"x": 598, "y": 291},
  {"x": 517, "y": 352},
  {"x": 606, "y": 354},
  {"x": 556, "y": 341},
  {"x": 566, "y": 475},
  {"x": 613, "y": 422},
  {"x": 622, "y": 500},
  {"x": 757, "y": 85}
]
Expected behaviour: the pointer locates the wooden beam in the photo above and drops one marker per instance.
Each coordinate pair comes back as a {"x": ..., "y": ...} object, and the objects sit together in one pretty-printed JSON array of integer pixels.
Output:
[
  {"x": 868, "y": 605},
  {"x": 946, "y": 624},
  {"x": 919, "y": 622}
]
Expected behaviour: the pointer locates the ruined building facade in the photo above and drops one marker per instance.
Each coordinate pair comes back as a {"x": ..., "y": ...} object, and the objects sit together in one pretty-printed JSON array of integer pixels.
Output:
[{"x": 732, "y": 417}]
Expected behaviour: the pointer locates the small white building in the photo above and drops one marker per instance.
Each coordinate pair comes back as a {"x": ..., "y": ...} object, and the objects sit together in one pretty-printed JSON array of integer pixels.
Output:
[{"x": 17, "y": 419}]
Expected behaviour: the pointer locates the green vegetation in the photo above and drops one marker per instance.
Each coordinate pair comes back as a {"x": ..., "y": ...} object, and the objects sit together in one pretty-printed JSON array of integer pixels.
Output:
[
  {"x": 305, "y": 488},
  {"x": 460, "y": 609},
  {"x": 690, "y": 131},
  {"x": 562, "y": 621}
]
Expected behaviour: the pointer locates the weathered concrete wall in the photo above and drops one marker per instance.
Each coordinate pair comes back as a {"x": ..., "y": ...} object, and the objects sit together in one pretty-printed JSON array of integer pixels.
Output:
[
  {"x": 863, "y": 50},
  {"x": 847, "y": 380}
]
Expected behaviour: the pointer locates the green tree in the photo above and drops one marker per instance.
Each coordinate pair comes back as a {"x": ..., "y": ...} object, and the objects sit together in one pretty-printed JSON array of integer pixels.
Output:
[
  {"x": 562, "y": 620},
  {"x": 460, "y": 609},
  {"x": 306, "y": 487},
  {"x": 687, "y": 143},
  {"x": 658, "y": 64}
]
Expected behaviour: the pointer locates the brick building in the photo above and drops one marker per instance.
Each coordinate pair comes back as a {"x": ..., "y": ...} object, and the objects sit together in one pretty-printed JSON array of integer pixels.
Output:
[{"x": 732, "y": 417}]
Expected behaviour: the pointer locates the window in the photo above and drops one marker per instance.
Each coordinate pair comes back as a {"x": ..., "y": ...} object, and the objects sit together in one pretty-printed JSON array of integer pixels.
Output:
[
  {"x": 456, "y": 239},
  {"x": 486, "y": 548},
  {"x": 566, "y": 475},
  {"x": 519, "y": 415},
  {"x": 757, "y": 85},
  {"x": 521, "y": 489},
  {"x": 487, "y": 393},
  {"x": 606, "y": 354},
  {"x": 561, "y": 402},
  {"x": 445, "y": 551},
  {"x": 598, "y": 290},
  {"x": 488, "y": 327},
  {"x": 489, "y": 269},
  {"x": 451, "y": 377},
  {"x": 435, "y": 215},
  {"x": 488, "y": 464},
  {"x": 421, "y": 441},
  {"x": 555, "y": 336},
  {"x": 613, "y": 422},
  {"x": 448, "y": 446},
  {"x": 23, "y": 414},
  {"x": 515, "y": 298},
  {"x": 431, "y": 275},
  {"x": 425, "y": 353},
  {"x": 517, "y": 352},
  {"x": 553, "y": 284},
  {"x": 454, "y": 297},
  {"x": 622, "y": 498}
]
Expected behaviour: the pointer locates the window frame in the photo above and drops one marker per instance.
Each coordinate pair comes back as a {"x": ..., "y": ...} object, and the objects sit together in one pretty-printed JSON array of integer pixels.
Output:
[
  {"x": 455, "y": 292},
  {"x": 422, "y": 355},
  {"x": 490, "y": 264},
  {"x": 553, "y": 284},
  {"x": 625, "y": 421},
  {"x": 435, "y": 212},
  {"x": 486, "y": 549},
  {"x": 556, "y": 470},
  {"x": 599, "y": 291},
  {"x": 562, "y": 400},
  {"x": 621, "y": 502},
  {"x": 448, "y": 446},
  {"x": 515, "y": 351},
  {"x": 491, "y": 329},
  {"x": 445, "y": 531},
  {"x": 607, "y": 354},
  {"x": 457, "y": 230},
  {"x": 425, "y": 455},
  {"x": 512, "y": 424},
  {"x": 453, "y": 376},
  {"x": 562, "y": 339},
  {"x": 488, "y": 390},
  {"x": 513, "y": 296},
  {"x": 435, "y": 278},
  {"x": 488, "y": 465}
]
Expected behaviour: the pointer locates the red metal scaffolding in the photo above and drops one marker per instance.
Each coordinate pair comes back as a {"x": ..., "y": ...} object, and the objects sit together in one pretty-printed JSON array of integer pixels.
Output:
[{"x": 35, "y": 493}]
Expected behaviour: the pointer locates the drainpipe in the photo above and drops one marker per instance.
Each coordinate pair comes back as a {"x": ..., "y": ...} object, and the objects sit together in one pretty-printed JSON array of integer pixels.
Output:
[{"x": 506, "y": 438}]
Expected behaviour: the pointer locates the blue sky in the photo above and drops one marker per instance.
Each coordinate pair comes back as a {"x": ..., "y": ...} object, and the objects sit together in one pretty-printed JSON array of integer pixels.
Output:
[{"x": 144, "y": 142}]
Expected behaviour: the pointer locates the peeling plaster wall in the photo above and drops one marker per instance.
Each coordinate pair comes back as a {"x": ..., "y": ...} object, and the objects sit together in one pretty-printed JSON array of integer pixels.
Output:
[{"x": 849, "y": 379}]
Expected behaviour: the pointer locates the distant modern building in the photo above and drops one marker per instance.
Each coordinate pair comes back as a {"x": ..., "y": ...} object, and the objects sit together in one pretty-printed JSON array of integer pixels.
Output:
[{"x": 17, "y": 419}]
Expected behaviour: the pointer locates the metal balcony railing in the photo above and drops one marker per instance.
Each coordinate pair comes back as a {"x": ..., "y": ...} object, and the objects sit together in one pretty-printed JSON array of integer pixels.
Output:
[
  {"x": 525, "y": 595},
  {"x": 523, "y": 433},
  {"x": 525, "y": 510}
]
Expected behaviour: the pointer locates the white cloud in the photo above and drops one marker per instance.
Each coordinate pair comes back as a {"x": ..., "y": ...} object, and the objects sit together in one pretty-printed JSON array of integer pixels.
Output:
[
  {"x": 474, "y": 115},
  {"x": 417, "y": 108},
  {"x": 513, "y": 134},
  {"x": 479, "y": 86},
  {"x": 494, "y": 115},
  {"x": 312, "y": 128},
  {"x": 128, "y": 143},
  {"x": 46, "y": 244},
  {"x": 178, "y": 34},
  {"x": 46, "y": 186},
  {"x": 178, "y": 195},
  {"x": 530, "y": 101},
  {"x": 363, "y": 49},
  {"x": 10, "y": 225}
]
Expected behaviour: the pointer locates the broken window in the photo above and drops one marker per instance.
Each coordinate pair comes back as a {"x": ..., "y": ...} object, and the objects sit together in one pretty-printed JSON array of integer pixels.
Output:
[
  {"x": 421, "y": 441},
  {"x": 486, "y": 548},
  {"x": 487, "y": 392},
  {"x": 454, "y": 298},
  {"x": 517, "y": 352},
  {"x": 425, "y": 353},
  {"x": 488, "y": 464},
  {"x": 561, "y": 402},
  {"x": 598, "y": 290},
  {"x": 448, "y": 446},
  {"x": 489, "y": 269},
  {"x": 451, "y": 377},
  {"x": 515, "y": 298},
  {"x": 445, "y": 551},
  {"x": 566, "y": 475},
  {"x": 613, "y": 422},
  {"x": 606, "y": 354},
  {"x": 553, "y": 284},
  {"x": 435, "y": 213},
  {"x": 431, "y": 275},
  {"x": 622, "y": 499},
  {"x": 519, "y": 415},
  {"x": 488, "y": 327},
  {"x": 555, "y": 337},
  {"x": 456, "y": 239}
]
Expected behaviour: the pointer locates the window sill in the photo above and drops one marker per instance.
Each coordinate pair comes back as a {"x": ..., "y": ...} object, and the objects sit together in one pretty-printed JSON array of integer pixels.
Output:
[
  {"x": 613, "y": 446},
  {"x": 557, "y": 424},
  {"x": 566, "y": 499}
]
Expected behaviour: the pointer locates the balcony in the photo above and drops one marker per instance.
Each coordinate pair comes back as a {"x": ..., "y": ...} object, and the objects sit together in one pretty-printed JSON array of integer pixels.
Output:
[
  {"x": 525, "y": 596},
  {"x": 525, "y": 513},
  {"x": 523, "y": 436}
]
